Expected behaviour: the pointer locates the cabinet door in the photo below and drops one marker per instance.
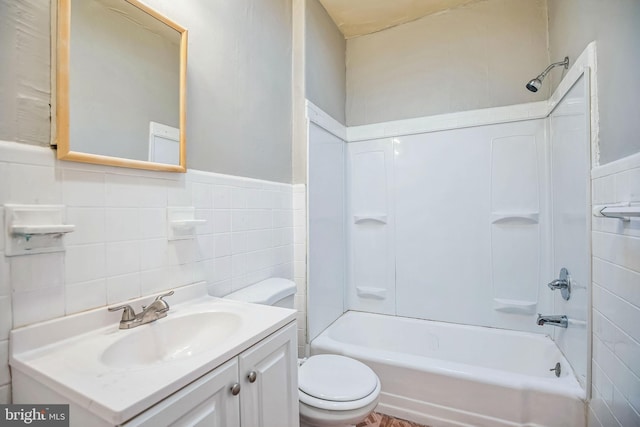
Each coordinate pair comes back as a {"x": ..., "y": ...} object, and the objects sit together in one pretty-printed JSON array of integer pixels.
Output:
[
  {"x": 205, "y": 402},
  {"x": 269, "y": 379}
]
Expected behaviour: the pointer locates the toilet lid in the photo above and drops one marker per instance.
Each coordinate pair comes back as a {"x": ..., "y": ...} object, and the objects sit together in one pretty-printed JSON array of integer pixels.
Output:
[{"x": 336, "y": 378}]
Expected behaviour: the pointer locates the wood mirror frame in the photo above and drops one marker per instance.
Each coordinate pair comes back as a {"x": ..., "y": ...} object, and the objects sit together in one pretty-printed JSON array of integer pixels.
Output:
[{"x": 61, "y": 51}]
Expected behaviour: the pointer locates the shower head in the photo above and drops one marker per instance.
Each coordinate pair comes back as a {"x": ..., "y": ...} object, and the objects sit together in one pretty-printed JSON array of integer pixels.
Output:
[{"x": 535, "y": 84}]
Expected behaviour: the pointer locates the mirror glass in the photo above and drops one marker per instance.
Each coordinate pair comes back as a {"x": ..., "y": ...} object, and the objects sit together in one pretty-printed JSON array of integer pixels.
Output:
[{"x": 120, "y": 85}]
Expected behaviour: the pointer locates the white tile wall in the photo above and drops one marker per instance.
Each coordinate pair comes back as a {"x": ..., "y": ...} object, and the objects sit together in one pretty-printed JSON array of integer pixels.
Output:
[
  {"x": 120, "y": 249},
  {"x": 616, "y": 304}
]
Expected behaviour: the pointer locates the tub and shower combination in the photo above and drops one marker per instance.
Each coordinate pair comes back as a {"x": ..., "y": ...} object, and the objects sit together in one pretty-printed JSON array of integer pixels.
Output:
[
  {"x": 443, "y": 374},
  {"x": 462, "y": 219}
]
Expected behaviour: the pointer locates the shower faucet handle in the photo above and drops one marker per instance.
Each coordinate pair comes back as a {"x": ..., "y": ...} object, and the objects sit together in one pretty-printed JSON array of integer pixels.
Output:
[
  {"x": 563, "y": 283},
  {"x": 558, "y": 284}
]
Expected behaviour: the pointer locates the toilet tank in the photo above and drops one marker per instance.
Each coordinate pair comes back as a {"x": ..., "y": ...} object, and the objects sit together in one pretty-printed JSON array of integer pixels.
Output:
[{"x": 275, "y": 291}]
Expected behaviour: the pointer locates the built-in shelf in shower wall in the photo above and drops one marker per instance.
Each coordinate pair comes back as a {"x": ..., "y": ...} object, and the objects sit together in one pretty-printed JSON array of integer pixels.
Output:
[
  {"x": 370, "y": 222},
  {"x": 515, "y": 231}
]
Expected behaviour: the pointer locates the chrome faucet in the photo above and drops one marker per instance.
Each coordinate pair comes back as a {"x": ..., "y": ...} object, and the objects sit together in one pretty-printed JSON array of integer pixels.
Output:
[
  {"x": 154, "y": 311},
  {"x": 555, "y": 320},
  {"x": 563, "y": 283}
]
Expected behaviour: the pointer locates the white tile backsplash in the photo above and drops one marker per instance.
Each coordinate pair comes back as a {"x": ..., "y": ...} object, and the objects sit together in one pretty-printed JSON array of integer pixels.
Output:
[
  {"x": 40, "y": 271},
  {"x": 5, "y": 376},
  {"x": 206, "y": 246},
  {"x": 84, "y": 296},
  {"x": 222, "y": 269},
  {"x": 84, "y": 263},
  {"x": 154, "y": 281},
  {"x": 222, "y": 221},
  {"x": 122, "y": 191},
  {"x": 601, "y": 411},
  {"x": 222, "y": 245},
  {"x": 153, "y": 193},
  {"x": 179, "y": 193},
  {"x": 221, "y": 197},
  {"x": 39, "y": 305},
  {"x": 123, "y": 288},
  {"x": 239, "y": 198},
  {"x": 5, "y": 275},
  {"x": 618, "y": 311},
  {"x": 5, "y": 317},
  {"x": 2, "y": 223},
  {"x": 617, "y": 249},
  {"x": 122, "y": 224},
  {"x": 122, "y": 257},
  {"x": 90, "y": 225},
  {"x": 120, "y": 251},
  {"x": 82, "y": 188},
  {"x": 628, "y": 185},
  {"x": 239, "y": 220},
  {"x": 202, "y": 195},
  {"x": 154, "y": 253},
  {"x": 5, "y": 182},
  {"x": 182, "y": 252},
  {"x": 238, "y": 265},
  {"x": 153, "y": 222},
  {"x": 617, "y": 280},
  {"x": 207, "y": 215},
  {"x": 29, "y": 184},
  {"x": 616, "y": 303},
  {"x": 620, "y": 343}
]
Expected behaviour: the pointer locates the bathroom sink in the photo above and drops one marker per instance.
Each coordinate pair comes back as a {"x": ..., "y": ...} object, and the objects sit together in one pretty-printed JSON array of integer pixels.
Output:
[
  {"x": 117, "y": 373},
  {"x": 171, "y": 338}
]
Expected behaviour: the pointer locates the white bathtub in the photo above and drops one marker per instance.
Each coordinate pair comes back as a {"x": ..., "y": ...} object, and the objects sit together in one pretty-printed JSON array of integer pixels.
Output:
[{"x": 442, "y": 374}]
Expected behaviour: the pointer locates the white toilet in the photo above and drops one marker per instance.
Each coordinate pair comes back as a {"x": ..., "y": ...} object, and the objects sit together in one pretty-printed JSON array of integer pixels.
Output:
[{"x": 333, "y": 390}]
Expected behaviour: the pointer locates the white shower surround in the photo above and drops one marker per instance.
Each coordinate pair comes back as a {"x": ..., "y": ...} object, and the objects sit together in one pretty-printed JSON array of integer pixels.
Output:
[{"x": 584, "y": 65}]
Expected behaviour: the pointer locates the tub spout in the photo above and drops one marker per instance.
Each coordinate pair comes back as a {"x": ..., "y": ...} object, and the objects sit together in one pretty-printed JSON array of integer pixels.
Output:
[{"x": 559, "y": 321}]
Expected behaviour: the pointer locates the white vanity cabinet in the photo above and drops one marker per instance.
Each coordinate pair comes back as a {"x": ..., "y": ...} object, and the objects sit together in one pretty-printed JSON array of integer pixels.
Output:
[
  {"x": 210, "y": 362},
  {"x": 207, "y": 401},
  {"x": 269, "y": 381},
  {"x": 258, "y": 388}
]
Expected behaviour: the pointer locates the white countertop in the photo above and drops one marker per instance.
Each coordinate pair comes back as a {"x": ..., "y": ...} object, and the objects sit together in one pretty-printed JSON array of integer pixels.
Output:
[{"x": 65, "y": 354}]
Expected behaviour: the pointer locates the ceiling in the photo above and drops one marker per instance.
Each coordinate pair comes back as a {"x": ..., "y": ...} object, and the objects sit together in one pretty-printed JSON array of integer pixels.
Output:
[{"x": 359, "y": 17}]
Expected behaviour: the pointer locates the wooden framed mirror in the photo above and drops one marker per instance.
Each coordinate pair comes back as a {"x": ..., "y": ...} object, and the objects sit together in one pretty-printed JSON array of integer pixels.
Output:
[{"x": 120, "y": 85}]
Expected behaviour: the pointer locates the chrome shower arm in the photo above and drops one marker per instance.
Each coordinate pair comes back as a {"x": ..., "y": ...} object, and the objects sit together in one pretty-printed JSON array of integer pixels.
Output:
[{"x": 564, "y": 63}]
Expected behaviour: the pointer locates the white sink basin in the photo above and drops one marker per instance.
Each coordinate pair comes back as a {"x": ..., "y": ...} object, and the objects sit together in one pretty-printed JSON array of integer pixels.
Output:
[
  {"x": 116, "y": 374},
  {"x": 171, "y": 338}
]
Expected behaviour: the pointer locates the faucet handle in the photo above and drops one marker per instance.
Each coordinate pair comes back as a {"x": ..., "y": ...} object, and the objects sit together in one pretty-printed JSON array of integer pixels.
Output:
[
  {"x": 168, "y": 294},
  {"x": 128, "y": 314},
  {"x": 563, "y": 283}
]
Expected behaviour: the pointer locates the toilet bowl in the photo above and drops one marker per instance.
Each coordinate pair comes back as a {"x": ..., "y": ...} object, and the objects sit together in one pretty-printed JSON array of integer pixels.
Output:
[
  {"x": 333, "y": 391},
  {"x": 336, "y": 391}
]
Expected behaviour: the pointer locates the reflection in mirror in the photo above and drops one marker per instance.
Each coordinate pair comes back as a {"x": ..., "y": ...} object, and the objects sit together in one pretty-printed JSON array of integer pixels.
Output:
[{"x": 120, "y": 85}]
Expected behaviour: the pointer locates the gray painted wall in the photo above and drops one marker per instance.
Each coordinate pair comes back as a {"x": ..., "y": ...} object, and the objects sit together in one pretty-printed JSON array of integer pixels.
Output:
[
  {"x": 25, "y": 79},
  {"x": 615, "y": 26},
  {"x": 239, "y": 81},
  {"x": 239, "y": 96},
  {"x": 325, "y": 62},
  {"x": 472, "y": 57}
]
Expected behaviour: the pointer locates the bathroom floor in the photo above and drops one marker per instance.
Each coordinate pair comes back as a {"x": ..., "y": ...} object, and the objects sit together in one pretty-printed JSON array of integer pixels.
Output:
[{"x": 381, "y": 420}]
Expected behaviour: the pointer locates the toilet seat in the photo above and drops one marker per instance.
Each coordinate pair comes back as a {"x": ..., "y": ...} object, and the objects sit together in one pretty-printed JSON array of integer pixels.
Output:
[{"x": 336, "y": 383}]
